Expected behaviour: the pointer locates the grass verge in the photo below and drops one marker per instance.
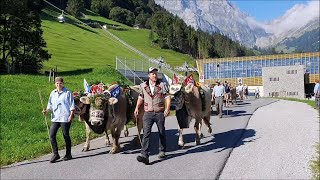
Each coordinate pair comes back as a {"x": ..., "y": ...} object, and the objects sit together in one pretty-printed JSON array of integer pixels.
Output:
[{"x": 23, "y": 133}]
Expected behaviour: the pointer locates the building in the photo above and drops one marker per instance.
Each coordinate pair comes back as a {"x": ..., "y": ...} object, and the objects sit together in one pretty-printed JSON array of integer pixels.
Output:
[
  {"x": 283, "y": 81},
  {"x": 249, "y": 69}
]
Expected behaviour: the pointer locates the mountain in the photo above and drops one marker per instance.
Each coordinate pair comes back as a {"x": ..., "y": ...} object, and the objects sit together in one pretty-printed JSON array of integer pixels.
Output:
[
  {"x": 307, "y": 42},
  {"x": 224, "y": 17},
  {"x": 294, "y": 24},
  {"x": 216, "y": 16}
]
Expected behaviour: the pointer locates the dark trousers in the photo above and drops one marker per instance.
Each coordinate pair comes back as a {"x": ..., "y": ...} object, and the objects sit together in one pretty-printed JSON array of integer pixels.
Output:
[
  {"x": 148, "y": 119},
  {"x": 219, "y": 104},
  {"x": 53, "y": 133},
  {"x": 318, "y": 102}
]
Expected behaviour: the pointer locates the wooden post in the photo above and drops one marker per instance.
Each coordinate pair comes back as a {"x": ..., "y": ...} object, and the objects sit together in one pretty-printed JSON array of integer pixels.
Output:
[{"x": 50, "y": 75}]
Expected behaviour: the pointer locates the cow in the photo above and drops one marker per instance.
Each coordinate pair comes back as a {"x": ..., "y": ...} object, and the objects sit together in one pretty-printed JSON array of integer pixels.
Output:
[
  {"x": 101, "y": 112},
  {"x": 134, "y": 94},
  {"x": 189, "y": 97}
]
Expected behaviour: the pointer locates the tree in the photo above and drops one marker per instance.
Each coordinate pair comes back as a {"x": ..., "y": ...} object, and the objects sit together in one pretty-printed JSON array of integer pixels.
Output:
[
  {"x": 75, "y": 7},
  {"x": 101, "y": 7},
  {"x": 22, "y": 44},
  {"x": 122, "y": 15}
]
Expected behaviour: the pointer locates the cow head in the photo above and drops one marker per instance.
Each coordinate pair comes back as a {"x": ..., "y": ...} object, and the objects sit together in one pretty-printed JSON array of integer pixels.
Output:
[
  {"x": 100, "y": 104},
  {"x": 175, "y": 90},
  {"x": 98, "y": 107},
  {"x": 180, "y": 92}
]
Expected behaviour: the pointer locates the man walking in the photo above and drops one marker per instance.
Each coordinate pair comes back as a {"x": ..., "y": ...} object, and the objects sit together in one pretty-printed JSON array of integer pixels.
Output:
[
  {"x": 156, "y": 98},
  {"x": 316, "y": 91},
  {"x": 217, "y": 94}
]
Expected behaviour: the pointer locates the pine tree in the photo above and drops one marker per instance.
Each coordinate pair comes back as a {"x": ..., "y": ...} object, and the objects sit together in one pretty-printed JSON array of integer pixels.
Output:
[
  {"x": 21, "y": 43},
  {"x": 75, "y": 7}
]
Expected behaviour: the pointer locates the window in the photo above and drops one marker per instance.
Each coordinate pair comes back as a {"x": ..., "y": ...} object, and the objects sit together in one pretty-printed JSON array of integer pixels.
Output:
[
  {"x": 292, "y": 71},
  {"x": 292, "y": 93},
  {"x": 274, "y": 79}
]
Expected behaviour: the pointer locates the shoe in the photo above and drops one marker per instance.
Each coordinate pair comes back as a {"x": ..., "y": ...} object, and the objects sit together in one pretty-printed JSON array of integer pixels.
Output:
[
  {"x": 162, "y": 155},
  {"x": 54, "y": 158},
  {"x": 66, "y": 158},
  {"x": 143, "y": 159},
  {"x": 220, "y": 116}
]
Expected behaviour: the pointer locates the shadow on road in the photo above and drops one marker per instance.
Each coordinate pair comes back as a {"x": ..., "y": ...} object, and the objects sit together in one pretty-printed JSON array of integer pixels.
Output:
[
  {"x": 216, "y": 143},
  {"x": 230, "y": 113}
]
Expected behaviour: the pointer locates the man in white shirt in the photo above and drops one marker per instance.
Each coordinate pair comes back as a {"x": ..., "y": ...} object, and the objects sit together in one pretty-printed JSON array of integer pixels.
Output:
[
  {"x": 316, "y": 91},
  {"x": 217, "y": 94},
  {"x": 240, "y": 91}
]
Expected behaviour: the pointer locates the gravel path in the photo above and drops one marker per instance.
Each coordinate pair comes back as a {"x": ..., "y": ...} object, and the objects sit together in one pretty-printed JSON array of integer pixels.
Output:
[{"x": 282, "y": 147}]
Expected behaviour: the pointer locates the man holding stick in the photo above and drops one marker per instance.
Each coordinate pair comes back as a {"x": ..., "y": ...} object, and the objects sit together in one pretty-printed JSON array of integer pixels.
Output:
[{"x": 61, "y": 106}]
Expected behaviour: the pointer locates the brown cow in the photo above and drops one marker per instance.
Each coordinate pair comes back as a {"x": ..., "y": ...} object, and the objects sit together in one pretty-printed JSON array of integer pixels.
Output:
[
  {"x": 190, "y": 97},
  {"x": 134, "y": 93},
  {"x": 104, "y": 113}
]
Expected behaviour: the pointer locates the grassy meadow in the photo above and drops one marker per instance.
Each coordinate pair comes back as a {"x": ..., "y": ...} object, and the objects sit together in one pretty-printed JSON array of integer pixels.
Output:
[
  {"x": 79, "y": 52},
  {"x": 23, "y": 130},
  {"x": 74, "y": 46},
  {"x": 139, "y": 38}
]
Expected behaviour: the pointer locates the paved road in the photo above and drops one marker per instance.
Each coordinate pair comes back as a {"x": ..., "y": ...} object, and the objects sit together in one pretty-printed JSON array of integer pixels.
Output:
[
  {"x": 282, "y": 147},
  {"x": 205, "y": 161}
]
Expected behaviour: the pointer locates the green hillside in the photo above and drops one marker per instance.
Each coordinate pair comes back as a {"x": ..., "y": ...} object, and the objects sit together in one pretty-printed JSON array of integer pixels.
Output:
[
  {"x": 74, "y": 46},
  {"x": 139, "y": 38},
  {"x": 79, "y": 52}
]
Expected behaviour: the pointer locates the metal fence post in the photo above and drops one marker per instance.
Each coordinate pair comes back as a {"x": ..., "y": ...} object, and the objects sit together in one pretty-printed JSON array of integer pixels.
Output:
[
  {"x": 134, "y": 70},
  {"x": 116, "y": 62},
  {"x": 125, "y": 67}
]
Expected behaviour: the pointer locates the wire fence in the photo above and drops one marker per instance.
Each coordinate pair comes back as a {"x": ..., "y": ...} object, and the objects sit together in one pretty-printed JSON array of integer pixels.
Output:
[{"x": 139, "y": 68}]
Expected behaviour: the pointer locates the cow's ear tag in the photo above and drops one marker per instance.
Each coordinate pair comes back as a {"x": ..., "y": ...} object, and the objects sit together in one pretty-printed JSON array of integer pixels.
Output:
[
  {"x": 85, "y": 100},
  {"x": 113, "y": 100}
]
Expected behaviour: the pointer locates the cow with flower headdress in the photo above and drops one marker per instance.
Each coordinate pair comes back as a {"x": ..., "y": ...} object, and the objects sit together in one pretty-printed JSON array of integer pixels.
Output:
[
  {"x": 103, "y": 109},
  {"x": 192, "y": 100}
]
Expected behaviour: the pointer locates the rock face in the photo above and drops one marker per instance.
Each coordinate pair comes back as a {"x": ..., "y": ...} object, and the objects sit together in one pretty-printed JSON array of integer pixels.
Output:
[{"x": 224, "y": 17}]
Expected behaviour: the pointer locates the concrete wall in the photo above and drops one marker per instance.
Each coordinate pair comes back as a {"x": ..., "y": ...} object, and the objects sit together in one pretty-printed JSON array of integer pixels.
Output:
[{"x": 283, "y": 81}]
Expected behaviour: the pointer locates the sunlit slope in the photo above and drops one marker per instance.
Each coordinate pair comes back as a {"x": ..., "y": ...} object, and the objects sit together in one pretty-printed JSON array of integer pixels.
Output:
[
  {"x": 75, "y": 46},
  {"x": 139, "y": 38}
]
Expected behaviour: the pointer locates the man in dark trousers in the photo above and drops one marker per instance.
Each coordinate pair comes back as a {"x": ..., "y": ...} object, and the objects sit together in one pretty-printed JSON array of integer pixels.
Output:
[{"x": 156, "y": 99}]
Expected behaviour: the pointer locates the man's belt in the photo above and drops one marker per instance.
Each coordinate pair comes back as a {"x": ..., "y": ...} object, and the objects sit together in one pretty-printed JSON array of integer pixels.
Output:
[{"x": 155, "y": 111}]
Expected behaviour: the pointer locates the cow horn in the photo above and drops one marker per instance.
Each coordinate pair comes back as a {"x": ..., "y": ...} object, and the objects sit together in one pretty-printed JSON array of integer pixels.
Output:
[
  {"x": 113, "y": 100},
  {"x": 85, "y": 100},
  {"x": 189, "y": 87},
  {"x": 107, "y": 93}
]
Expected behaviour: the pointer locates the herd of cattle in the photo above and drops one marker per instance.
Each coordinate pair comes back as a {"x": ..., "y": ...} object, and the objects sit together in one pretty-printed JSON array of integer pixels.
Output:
[{"x": 102, "y": 112}]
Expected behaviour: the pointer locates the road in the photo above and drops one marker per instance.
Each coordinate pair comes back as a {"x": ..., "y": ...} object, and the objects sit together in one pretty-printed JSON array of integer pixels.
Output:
[{"x": 205, "y": 161}]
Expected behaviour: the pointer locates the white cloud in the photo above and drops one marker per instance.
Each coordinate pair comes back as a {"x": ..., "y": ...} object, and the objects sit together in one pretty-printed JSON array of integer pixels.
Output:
[{"x": 298, "y": 16}]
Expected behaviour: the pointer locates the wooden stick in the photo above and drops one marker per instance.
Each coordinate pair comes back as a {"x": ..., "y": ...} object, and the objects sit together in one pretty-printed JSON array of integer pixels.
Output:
[
  {"x": 45, "y": 117},
  {"x": 138, "y": 132}
]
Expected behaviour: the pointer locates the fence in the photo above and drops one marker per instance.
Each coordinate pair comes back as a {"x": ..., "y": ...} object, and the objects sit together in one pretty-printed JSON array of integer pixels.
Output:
[{"x": 136, "y": 70}]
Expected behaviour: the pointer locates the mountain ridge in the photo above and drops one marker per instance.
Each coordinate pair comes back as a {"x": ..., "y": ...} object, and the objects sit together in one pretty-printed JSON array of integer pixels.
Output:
[{"x": 226, "y": 18}]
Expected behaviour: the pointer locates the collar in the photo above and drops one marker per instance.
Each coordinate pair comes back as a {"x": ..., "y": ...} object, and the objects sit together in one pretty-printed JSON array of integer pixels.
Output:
[
  {"x": 157, "y": 82},
  {"x": 63, "y": 90}
]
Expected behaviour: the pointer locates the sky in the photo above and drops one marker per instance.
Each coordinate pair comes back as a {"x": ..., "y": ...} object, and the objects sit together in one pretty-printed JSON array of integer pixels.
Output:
[{"x": 266, "y": 10}]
